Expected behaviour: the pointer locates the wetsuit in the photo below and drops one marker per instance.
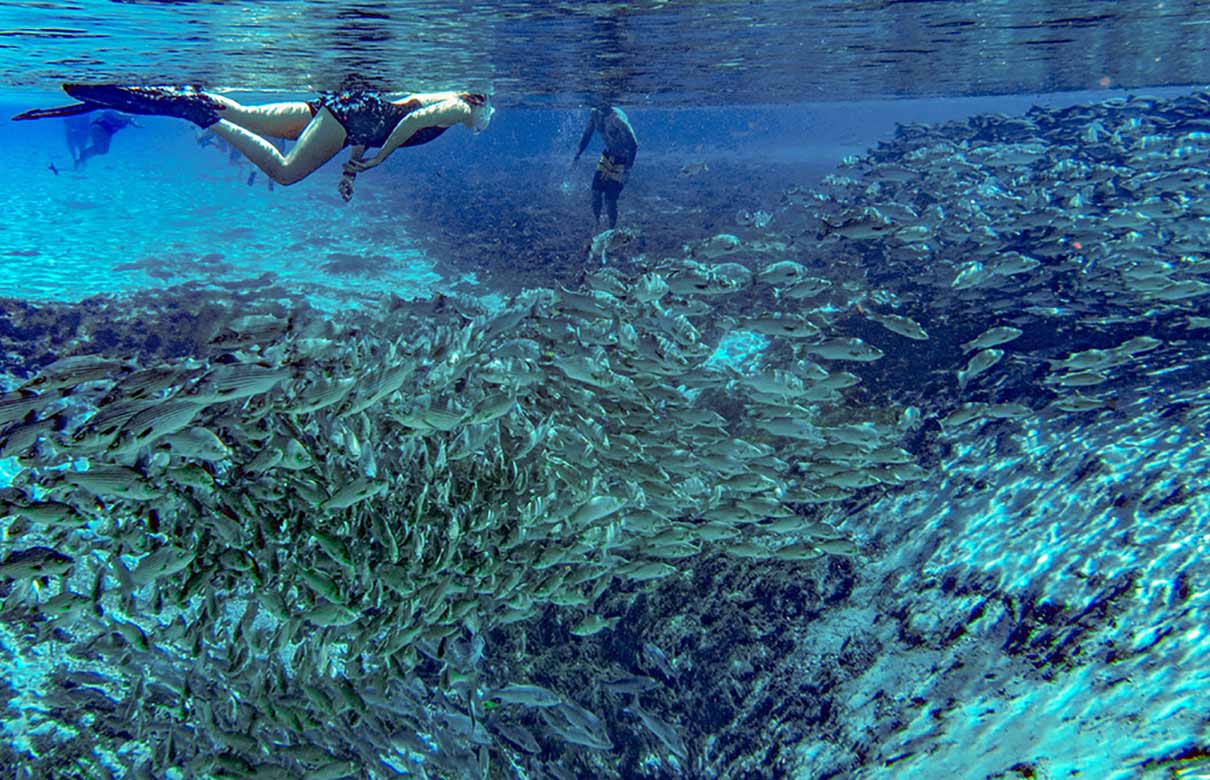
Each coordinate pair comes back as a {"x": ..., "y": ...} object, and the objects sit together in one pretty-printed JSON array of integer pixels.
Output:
[
  {"x": 613, "y": 168},
  {"x": 368, "y": 118}
]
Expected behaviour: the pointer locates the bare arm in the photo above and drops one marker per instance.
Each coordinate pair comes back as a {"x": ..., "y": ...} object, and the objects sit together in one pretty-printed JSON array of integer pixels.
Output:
[
  {"x": 632, "y": 145},
  {"x": 355, "y": 154},
  {"x": 587, "y": 136},
  {"x": 445, "y": 113}
]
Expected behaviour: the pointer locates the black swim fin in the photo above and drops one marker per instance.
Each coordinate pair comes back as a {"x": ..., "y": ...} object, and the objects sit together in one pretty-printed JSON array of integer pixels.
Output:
[
  {"x": 48, "y": 113},
  {"x": 182, "y": 102}
]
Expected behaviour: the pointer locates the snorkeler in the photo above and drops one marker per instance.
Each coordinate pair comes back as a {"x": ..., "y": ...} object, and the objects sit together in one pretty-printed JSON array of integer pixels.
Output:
[
  {"x": 355, "y": 117},
  {"x": 613, "y": 169},
  {"x": 90, "y": 138}
]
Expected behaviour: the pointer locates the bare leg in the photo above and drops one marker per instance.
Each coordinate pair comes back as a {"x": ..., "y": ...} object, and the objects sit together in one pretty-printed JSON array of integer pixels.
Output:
[
  {"x": 272, "y": 120},
  {"x": 596, "y": 205},
  {"x": 100, "y": 145},
  {"x": 74, "y": 147},
  {"x": 611, "y": 206},
  {"x": 323, "y": 137}
]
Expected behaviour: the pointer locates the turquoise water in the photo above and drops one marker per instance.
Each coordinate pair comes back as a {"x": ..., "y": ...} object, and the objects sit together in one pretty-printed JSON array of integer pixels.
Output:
[{"x": 901, "y": 476}]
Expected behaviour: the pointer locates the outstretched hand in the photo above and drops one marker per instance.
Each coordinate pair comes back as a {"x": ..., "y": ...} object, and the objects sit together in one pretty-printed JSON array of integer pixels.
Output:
[{"x": 345, "y": 187}]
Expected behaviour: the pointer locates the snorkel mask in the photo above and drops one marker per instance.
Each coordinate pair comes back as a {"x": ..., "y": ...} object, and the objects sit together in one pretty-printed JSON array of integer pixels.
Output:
[
  {"x": 481, "y": 110},
  {"x": 482, "y": 116}
]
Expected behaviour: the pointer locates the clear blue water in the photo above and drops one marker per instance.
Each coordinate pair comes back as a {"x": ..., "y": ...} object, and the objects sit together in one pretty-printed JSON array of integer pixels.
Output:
[
  {"x": 696, "y": 52},
  {"x": 985, "y": 571}
]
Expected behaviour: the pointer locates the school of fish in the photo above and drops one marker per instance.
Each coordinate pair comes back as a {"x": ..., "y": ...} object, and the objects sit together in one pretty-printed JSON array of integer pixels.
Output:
[{"x": 285, "y": 556}]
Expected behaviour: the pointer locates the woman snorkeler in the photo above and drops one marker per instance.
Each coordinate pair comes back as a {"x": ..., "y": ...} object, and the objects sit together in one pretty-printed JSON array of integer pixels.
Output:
[{"x": 354, "y": 116}]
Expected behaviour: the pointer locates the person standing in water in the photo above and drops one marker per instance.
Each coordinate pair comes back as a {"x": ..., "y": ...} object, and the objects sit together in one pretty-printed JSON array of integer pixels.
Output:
[
  {"x": 87, "y": 136},
  {"x": 613, "y": 169},
  {"x": 355, "y": 116}
]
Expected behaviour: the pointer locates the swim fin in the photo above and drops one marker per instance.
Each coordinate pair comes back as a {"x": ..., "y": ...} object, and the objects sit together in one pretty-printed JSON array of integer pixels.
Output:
[
  {"x": 182, "y": 102},
  {"x": 48, "y": 113}
]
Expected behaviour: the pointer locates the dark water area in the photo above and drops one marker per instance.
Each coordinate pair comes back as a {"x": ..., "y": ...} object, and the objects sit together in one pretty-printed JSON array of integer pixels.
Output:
[{"x": 518, "y": 231}]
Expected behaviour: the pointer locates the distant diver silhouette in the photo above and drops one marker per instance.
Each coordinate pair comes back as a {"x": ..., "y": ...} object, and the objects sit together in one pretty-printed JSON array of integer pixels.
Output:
[
  {"x": 88, "y": 137},
  {"x": 613, "y": 168},
  {"x": 234, "y": 156}
]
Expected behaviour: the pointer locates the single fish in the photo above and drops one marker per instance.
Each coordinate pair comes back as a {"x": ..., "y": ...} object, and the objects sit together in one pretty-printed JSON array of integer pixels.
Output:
[
  {"x": 846, "y": 349},
  {"x": 979, "y": 363},
  {"x": 904, "y": 326},
  {"x": 525, "y": 695},
  {"x": 35, "y": 562},
  {"x": 993, "y": 337}
]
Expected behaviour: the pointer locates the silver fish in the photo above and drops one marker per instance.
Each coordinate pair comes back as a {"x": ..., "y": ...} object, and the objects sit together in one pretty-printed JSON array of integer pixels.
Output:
[
  {"x": 783, "y": 326},
  {"x": 904, "y": 326},
  {"x": 980, "y": 362},
  {"x": 664, "y": 731},
  {"x": 846, "y": 349},
  {"x": 993, "y": 337},
  {"x": 196, "y": 442},
  {"x": 35, "y": 562},
  {"x": 525, "y": 695},
  {"x": 355, "y": 492},
  {"x": 782, "y": 273},
  {"x": 75, "y": 370}
]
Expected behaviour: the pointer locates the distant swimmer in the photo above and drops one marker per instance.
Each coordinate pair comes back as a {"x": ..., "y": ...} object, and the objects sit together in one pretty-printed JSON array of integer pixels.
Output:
[
  {"x": 235, "y": 157},
  {"x": 354, "y": 116},
  {"x": 90, "y": 136},
  {"x": 613, "y": 169}
]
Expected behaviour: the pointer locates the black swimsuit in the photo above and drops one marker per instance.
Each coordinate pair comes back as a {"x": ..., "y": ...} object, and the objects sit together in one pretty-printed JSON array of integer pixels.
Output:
[{"x": 368, "y": 118}]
